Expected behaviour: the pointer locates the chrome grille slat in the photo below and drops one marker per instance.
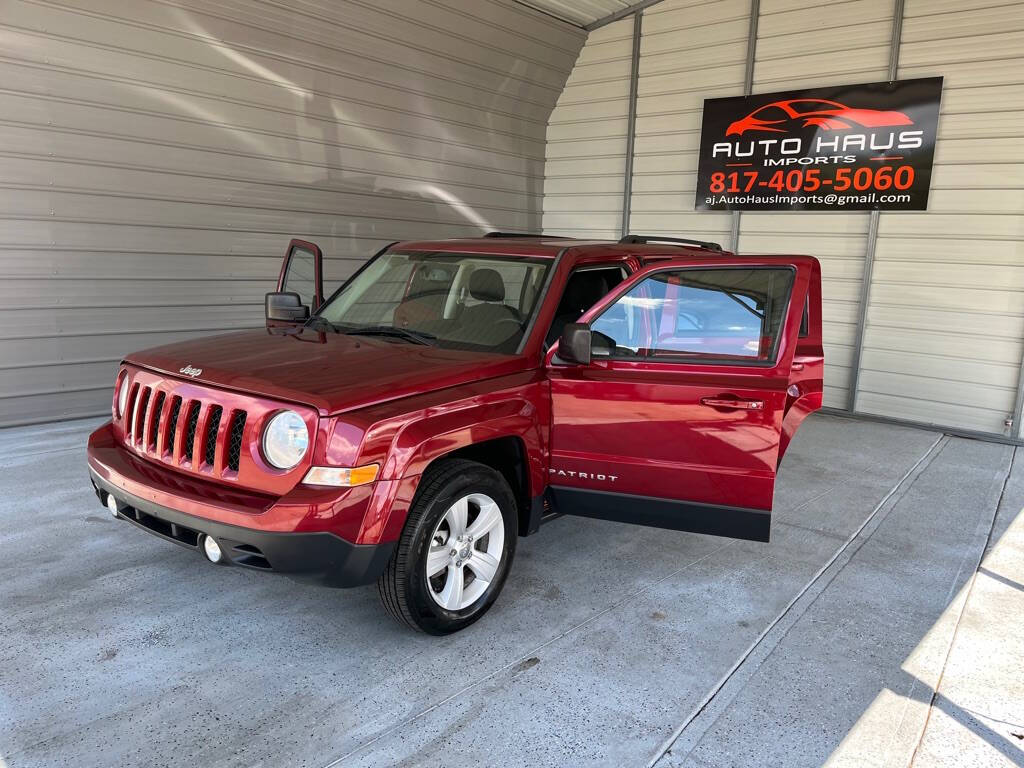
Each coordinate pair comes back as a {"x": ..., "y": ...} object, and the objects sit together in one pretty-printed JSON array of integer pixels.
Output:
[
  {"x": 129, "y": 410},
  {"x": 172, "y": 424},
  {"x": 153, "y": 421},
  {"x": 210, "y": 439},
  {"x": 235, "y": 439},
  {"x": 139, "y": 427},
  {"x": 191, "y": 424}
]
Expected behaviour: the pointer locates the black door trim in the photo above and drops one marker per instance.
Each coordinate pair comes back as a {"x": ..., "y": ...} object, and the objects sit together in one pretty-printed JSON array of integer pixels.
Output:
[{"x": 712, "y": 519}]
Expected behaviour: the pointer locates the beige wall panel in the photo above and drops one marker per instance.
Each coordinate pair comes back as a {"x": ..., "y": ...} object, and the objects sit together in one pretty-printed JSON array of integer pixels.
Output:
[
  {"x": 602, "y": 129},
  {"x": 352, "y": 168},
  {"x": 593, "y": 54},
  {"x": 963, "y": 414},
  {"x": 363, "y": 148},
  {"x": 683, "y": 16},
  {"x": 581, "y": 204},
  {"x": 952, "y": 226},
  {"x": 1008, "y": 176},
  {"x": 962, "y": 251},
  {"x": 704, "y": 34},
  {"x": 516, "y": 26},
  {"x": 306, "y": 118},
  {"x": 561, "y": 187}
]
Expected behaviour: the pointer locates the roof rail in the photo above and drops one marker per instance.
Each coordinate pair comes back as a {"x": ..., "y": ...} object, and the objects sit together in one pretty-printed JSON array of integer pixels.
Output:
[
  {"x": 643, "y": 239},
  {"x": 538, "y": 235}
]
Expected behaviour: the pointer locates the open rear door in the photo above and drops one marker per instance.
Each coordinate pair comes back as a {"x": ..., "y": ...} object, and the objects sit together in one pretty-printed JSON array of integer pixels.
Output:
[{"x": 677, "y": 420}]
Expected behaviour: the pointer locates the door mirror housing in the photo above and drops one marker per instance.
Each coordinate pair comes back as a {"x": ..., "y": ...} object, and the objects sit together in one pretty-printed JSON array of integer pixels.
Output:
[
  {"x": 574, "y": 344},
  {"x": 285, "y": 307},
  {"x": 601, "y": 345}
]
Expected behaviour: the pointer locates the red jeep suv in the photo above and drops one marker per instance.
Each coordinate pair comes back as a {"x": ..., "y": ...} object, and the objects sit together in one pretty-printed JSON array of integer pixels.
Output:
[{"x": 453, "y": 395}]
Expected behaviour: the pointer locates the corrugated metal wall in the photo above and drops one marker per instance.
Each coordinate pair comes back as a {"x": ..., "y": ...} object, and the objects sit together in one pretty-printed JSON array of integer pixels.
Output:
[
  {"x": 157, "y": 156},
  {"x": 943, "y": 339},
  {"x": 689, "y": 51},
  {"x": 586, "y": 149},
  {"x": 945, "y": 324}
]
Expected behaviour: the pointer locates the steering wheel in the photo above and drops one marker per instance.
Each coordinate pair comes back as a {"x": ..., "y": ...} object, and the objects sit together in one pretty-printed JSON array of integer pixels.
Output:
[{"x": 507, "y": 320}]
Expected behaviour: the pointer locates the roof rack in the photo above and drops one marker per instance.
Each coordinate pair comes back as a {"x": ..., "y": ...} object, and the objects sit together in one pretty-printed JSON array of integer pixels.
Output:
[
  {"x": 537, "y": 235},
  {"x": 643, "y": 239}
]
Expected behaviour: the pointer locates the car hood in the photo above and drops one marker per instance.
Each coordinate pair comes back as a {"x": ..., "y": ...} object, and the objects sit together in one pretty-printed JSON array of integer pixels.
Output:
[{"x": 331, "y": 372}]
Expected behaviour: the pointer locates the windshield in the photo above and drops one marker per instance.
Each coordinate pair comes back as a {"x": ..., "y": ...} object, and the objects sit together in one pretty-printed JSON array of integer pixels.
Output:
[{"x": 453, "y": 300}]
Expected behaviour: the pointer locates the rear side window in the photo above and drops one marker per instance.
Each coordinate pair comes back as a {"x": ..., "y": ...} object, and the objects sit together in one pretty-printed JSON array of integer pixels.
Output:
[{"x": 701, "y": 315}]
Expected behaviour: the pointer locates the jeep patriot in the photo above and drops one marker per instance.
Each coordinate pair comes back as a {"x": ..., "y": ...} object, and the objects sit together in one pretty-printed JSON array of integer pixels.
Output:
[{"x": 454, "y": 395}]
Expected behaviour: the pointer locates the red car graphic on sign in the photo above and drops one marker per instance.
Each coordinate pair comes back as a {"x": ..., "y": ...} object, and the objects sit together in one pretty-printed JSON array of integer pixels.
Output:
[{"x": 791, "y": 114}]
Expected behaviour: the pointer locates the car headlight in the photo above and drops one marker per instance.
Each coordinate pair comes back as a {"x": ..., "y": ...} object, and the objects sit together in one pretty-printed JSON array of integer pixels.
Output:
[
  {"x": 122, "y": 393},
  {"x": 285, "y": 440}
]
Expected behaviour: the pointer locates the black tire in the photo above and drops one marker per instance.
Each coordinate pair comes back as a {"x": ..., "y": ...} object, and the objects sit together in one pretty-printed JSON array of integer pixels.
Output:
[{"x": 404, "y": 588}]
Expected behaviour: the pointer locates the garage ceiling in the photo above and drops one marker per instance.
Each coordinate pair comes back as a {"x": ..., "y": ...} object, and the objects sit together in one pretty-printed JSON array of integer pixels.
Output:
[{"x": 588, "y": 14}]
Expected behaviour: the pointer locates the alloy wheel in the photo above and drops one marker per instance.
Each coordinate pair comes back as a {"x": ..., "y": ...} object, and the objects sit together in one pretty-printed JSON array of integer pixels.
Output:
[{"x": 465, "y": 551}]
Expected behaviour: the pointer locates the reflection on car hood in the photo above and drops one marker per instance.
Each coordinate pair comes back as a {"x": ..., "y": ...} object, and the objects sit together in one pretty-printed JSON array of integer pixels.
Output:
[{"x": 329, "y": 371}]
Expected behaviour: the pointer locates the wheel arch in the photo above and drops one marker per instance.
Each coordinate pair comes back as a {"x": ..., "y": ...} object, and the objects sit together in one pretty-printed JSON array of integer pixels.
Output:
[
  {"x": 504, "y": 428},
  {"x": 507, "y": 456}
]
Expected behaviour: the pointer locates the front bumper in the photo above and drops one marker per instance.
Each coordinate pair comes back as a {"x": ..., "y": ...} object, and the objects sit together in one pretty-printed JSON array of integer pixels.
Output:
[
  {"x": 319, "y": 557},
  {"x": 308, "y": 534}
]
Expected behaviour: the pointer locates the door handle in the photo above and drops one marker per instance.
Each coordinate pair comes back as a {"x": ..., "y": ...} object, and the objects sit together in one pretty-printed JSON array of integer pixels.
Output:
[
  {"x": 798, "y": 366},
  {"x": 728, "y": 402}
]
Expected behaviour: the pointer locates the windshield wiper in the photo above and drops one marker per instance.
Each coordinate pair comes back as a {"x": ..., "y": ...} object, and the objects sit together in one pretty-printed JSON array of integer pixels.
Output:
[
  {"x": 321, "y": 324},
  {"x": 417, "y": 337}
]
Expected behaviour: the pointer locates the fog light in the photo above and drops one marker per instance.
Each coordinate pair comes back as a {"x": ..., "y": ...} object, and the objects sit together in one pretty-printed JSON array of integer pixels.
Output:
[
  {"x": 112, "y": 504},
  {"x": 212, "y": 549}
]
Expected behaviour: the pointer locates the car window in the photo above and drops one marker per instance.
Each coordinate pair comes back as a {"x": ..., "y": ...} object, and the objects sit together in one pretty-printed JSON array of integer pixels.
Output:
[
  {"x": 585, "y": 287},
  {"x": 300, "y": 276},
  {"x": 725, "y": 314},
  {"x": 460, "y": 300}
]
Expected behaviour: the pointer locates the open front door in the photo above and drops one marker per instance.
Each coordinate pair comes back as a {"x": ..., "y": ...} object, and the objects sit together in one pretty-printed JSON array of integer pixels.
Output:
[
  {"x": 302, "y": 273},
  {"x": 676, "y": 421},
  {"x": 300, "y": 286}
]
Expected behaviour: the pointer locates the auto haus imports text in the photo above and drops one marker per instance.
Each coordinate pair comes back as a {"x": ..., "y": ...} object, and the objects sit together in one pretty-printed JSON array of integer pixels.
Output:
[{"x": 824, "y": 149}]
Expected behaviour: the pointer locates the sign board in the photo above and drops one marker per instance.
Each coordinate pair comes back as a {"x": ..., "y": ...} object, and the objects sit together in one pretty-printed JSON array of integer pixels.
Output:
[{"x": 850, "y": 147}]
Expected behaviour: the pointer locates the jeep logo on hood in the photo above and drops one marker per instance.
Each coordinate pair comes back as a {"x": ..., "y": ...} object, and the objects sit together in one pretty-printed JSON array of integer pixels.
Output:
[{"x": 188, "y": 370}]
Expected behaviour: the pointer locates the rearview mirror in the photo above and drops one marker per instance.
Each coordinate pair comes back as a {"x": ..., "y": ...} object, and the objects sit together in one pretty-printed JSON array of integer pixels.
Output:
[
  {"x": 574, "y": 343},
  {"x": 285, "y": 307}
]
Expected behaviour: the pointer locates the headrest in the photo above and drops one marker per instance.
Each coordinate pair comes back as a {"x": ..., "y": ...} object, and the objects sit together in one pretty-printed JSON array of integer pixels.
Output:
[{"x": 486, "y": 285}]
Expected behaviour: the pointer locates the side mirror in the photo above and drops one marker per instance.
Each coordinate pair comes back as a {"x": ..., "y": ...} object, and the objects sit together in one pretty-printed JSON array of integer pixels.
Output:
[
  {"x": 285, "y": 307},
  {"x": 574, "y": 343}
]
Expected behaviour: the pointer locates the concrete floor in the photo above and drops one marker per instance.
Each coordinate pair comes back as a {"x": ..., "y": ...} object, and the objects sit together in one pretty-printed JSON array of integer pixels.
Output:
[{"x": 865, "y": 634}]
